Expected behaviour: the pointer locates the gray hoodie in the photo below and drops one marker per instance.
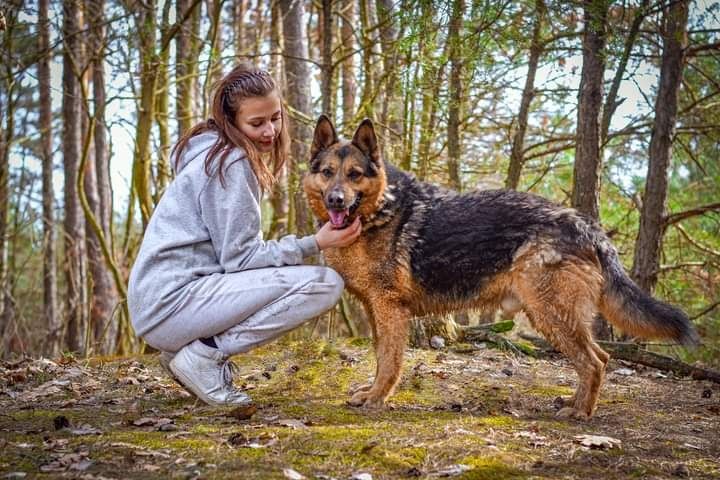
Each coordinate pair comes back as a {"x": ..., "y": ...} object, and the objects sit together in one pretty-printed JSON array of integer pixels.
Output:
[{"x": 201, "y": 228}]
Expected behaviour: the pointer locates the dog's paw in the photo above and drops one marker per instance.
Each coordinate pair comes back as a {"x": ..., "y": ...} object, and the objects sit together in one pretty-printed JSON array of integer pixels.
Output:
[
  {"x": 366, "y": 400},
  {"x": 571, "y": 412}
]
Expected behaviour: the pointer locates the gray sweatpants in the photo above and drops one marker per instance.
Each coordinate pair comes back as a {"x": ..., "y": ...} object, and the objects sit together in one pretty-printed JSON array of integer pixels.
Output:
[{"x": 246, "y": 309}]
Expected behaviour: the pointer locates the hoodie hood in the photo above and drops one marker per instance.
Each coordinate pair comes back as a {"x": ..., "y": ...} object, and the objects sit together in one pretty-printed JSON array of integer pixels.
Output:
[{"x": 196, "y": 147}]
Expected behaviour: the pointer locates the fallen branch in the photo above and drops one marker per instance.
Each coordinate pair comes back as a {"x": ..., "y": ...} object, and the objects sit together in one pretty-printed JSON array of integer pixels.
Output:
[
  {"x": 490, "y": 333},
  {"x": 632, "y": 352},
  {"x": 636, "y": 353}
]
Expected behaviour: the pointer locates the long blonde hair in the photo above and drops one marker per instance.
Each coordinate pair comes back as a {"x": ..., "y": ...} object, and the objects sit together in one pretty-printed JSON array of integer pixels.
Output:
[{"x": 243, "y": 81}]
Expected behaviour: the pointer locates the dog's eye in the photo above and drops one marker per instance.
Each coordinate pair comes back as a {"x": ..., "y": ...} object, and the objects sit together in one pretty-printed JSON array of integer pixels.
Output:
[
  {"x": 354, "y": 175},
  {"x": 327, "y": 172}
]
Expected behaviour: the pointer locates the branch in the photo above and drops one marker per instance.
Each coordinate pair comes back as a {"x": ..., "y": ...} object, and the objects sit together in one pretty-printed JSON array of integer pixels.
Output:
[
  {"x": 695, "y": 243},
  {"x": 693, "y": 212},
  {"x": 705, "y": 311}
]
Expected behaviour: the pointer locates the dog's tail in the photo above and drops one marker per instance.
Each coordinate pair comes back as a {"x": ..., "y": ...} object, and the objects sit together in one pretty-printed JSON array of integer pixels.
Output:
[{"x": 633, "y": 310}]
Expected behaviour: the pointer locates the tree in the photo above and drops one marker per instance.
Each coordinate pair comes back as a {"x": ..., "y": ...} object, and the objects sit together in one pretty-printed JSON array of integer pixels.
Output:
[
  {"x": 588, "y": 161},
  {"x": 652, "y": 217},
  {"x": 297, "y": 84},
  {"x": 74, "y": 234},
  {"x": 455, "y": 55},
  {"x": 50, "y": 307}
]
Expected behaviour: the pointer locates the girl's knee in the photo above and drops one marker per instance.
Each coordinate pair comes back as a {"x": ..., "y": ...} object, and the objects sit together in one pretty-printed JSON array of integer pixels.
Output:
[{"x": 334, "y": 283}]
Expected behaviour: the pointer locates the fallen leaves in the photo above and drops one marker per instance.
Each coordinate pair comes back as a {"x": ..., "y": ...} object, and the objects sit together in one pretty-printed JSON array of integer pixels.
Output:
[{"x": 597, "y": 441}]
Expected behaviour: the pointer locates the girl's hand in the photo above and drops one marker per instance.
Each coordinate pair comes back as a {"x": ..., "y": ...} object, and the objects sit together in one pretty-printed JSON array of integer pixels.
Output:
[{"x": 329, "y": 237}]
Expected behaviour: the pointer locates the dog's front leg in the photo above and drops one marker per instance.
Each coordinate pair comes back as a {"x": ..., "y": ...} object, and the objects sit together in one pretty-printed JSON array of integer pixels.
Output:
[{"x": 391, "y": 331}]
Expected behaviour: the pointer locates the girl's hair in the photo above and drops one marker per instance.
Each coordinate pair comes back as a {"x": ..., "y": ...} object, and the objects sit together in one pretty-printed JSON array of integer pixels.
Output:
[{"x": 243, "y": 81}]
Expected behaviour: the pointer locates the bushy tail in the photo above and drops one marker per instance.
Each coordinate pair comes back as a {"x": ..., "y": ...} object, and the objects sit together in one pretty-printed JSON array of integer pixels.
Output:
[{"x": 633, "y": 310}]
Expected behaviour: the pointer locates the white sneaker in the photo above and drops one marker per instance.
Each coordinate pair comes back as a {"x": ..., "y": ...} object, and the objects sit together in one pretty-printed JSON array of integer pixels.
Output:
[
  {"x": 165, "y": 358},
  {"x": 207, "y": 373}
]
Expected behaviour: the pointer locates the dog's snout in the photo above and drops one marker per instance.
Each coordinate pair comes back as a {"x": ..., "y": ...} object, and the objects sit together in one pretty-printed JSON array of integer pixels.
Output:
[{"x": 336, "y": 199}]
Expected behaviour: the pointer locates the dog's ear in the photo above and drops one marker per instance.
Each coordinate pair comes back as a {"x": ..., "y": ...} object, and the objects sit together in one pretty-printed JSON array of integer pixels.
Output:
[
  {"x": 325, "y": 136},
  {"x": 366, "y": 140}
]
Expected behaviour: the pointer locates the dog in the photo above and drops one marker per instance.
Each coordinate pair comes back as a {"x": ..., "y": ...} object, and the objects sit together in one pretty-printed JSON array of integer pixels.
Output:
[{"x": 428, "y": 250}]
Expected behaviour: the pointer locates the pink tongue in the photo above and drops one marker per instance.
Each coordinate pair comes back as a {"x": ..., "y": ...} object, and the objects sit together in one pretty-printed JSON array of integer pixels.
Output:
[{"x": 337, "y": 217}]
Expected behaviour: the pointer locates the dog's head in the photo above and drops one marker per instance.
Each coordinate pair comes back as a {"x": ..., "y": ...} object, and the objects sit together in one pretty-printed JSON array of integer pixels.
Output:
[{"x": 346, "y": 179}]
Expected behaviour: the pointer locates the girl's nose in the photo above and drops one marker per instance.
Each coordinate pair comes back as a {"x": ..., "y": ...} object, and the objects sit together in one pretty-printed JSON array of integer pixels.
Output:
[{"x": 269, "y": 131}]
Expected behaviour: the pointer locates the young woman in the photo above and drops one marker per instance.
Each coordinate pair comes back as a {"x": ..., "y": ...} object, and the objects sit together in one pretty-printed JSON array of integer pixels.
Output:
[{"x": 205, "y": 285}]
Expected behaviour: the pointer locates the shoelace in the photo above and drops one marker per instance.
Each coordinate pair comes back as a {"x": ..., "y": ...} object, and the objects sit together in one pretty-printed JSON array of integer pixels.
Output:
[{"x": 228, "y": 372}]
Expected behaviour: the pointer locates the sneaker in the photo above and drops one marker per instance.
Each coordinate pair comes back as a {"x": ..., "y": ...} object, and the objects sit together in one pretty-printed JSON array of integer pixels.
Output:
[
  {"x": 207, "y": 373},
  {"x": 165, "y": 358}
]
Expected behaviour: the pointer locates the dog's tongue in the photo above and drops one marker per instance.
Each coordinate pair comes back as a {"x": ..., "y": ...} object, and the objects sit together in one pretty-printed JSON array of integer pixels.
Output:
[{"x": 337, "y": 217}]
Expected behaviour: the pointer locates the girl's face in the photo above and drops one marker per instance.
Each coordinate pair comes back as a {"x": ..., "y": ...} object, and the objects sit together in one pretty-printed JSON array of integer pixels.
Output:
[{"x": 260, "y": 119}]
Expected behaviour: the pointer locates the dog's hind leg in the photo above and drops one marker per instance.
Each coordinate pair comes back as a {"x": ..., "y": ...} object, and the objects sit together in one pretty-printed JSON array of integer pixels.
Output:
[
  {"x": 560, "y": 305},
  {"x": 391, "y": 331}
]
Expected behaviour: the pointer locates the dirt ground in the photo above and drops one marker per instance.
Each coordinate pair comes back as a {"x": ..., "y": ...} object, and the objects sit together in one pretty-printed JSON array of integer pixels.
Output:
[{"x": 481, "y": 415}]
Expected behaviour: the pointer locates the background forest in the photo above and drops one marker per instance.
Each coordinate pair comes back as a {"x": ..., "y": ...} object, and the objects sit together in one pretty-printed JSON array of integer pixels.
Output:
[{"x": 611, "y": 107}]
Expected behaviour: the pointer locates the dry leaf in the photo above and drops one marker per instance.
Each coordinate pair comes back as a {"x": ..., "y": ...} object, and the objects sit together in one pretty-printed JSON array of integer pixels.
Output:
[
  {"x": 292, "y": 423},
  {"x": 244, "y": 412},
  {"x": 597, "y": 441},
  {"x": 151, "y": 422},
  {"x": 292, "y": 474}
]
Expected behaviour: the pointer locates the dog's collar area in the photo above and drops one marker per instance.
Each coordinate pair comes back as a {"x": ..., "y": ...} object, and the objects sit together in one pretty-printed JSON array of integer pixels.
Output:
[{"x": 384, "y": 211}]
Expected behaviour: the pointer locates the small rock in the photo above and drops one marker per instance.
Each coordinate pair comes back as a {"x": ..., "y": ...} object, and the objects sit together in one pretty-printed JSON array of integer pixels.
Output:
[
  {"x": 626, "y": 372},
  {"x": 437, "y": 342},
  {"x": 414, "y": 472},
  {"x": 507, "y": 372},
  {"x": 707, "y": 393},
  {"x": 681, "y": 470},
  {"x": 292, "y": 474},
  {"x": 558, "y": 403},
  {"x": 361, "y": 476}
]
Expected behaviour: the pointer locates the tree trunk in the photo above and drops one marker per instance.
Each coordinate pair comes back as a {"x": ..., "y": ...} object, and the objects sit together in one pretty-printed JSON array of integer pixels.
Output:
[
  {"x": 516, "y": 154},
  {"x": 369, "y": 93},
  {"x": 98, "y": 192},
  {"x": 183, "y": 71},
  {"x": 74, "y": 239},
  {"x": 455, "y": 107},
  {"x": 239, "y": 27},
  {"x": 214, "y": 40},
  {"x": 588, "y": 161},
  {"x": 326, "y": 75},
  {"x": 652, "y": 216},
  {"x": 297, "y": 82},
  {"x": 149, "y": 61},
  {"x": 279, "y": 198},
  {"x": 163, "y": 171},
  {"x": 51, "y": 347},
  {"x": 391, "y": 116},
  {"x": 349, "y": 87}
]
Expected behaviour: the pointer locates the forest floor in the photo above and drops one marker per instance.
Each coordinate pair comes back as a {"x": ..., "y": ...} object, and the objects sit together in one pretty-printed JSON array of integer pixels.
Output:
[{"x": 483, "y": 414}]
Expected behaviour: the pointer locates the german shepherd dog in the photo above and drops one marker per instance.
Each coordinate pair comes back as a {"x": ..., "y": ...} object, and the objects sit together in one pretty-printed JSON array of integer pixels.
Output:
[{"x": 427, "y": 250}]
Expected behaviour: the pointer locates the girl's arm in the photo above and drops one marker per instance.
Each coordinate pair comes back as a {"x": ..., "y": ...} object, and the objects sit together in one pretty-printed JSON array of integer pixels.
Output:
[{"x": 232, "y": 216}]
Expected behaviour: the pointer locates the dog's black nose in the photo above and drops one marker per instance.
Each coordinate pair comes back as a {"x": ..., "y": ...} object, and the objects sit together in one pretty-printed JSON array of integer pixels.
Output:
[{"x": 336, "y": 199}]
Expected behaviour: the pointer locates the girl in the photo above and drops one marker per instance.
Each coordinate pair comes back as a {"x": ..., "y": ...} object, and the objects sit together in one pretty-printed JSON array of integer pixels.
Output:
[{"x": 205, "y": 286}]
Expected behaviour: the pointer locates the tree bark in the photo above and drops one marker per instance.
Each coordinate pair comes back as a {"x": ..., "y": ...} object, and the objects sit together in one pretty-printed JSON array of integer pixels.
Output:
[
  {"x": 74, "y": 240},
  {"x": 391, "y": 115},
  {"x": 98, "y": 192},
  {"x": 297, "y": 82},
  {"x": 239, "y": 27},
  {"x": 455, "y": 55},
  {"x": 588, "y": 155},
  {"x": 50, "y": 310},
  {"x": 183, "y": 71},
  {"x": 349, "y": 87},
  {"x": 517, "y": 158},
  {"x": 149, "y": 62},
  {"x": 652, "y": 216},
  {"x": 326, "y": 74}
]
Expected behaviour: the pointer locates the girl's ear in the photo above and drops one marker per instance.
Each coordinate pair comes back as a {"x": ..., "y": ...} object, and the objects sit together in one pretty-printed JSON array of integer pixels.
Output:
[{"x": 324, "y": 136}]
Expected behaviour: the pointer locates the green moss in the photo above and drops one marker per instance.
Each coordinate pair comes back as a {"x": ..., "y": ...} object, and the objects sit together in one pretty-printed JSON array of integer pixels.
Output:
[
  {"x": 499, "y": 421},
  {"x": 361, "y": 342},
  {"x": 490, "y": 468},
  {"x": 551, "y": 391}
]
